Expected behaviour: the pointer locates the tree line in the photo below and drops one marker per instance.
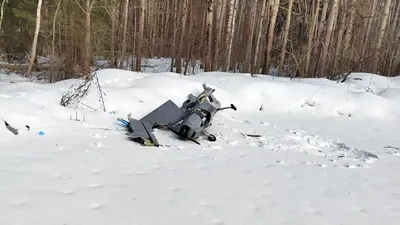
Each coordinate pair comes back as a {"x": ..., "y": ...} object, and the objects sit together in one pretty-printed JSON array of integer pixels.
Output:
[{"x": 302, "y": 38}]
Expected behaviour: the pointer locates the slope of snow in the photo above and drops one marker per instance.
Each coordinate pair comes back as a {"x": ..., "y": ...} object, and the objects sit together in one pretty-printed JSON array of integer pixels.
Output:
[{"x": 321, "y": 157}]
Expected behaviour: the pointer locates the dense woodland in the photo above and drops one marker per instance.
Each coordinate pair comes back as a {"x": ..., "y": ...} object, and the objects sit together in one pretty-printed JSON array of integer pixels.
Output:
[{"x": 307, "y": 38}]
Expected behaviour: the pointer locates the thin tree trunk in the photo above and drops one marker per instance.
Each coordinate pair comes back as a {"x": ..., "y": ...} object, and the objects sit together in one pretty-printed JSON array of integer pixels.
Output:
[
  {"x": 2, "y": 15},
  {"x": 208, "y": 63},
  {"x": 259, "y": 35},
  {"x": 221, "y": 40},
  {"x": 88, "y": 47},
  {"x": 216, "y": 38},
  {"x": 124, "y": 34},
  {"x": 140, "y": 38},
  {"x": 239, "y": 42},
  {"x": 382, "y": 30},
  {"x": 53, "y": 42},
  {"x": 331, "y": 20},
  {"x": 323, "y": 18},
  {"x": 175, "y": 30},
  {"x": 338, "y": 47},
  {"x": 113, "y": 32},
  {"x": 271, "y": 36},
  {"x": 349, "y": 32},
  {"x": 203, "y": 39},
  {"x": 35, "y": 38},
  {"x": 181, "y": 38},
  {"x": 134, "y": 40},
  {"x": 285, "y": 37},
  {"x": 369, "y": 26},
  {"x": 189, "y": 50},
  {"x": 321, "y": 27},
  {"x": 233, "y": 4},
  {"x": 311, "y": 37},
  {"x": 249, "y": 43}
]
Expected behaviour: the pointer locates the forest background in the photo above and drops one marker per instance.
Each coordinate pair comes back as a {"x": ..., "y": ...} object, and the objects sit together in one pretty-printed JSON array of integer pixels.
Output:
[{"x": 297, "y": 38}]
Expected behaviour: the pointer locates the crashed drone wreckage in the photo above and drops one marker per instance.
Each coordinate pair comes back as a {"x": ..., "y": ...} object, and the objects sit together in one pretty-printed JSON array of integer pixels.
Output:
[{"x": 188, "y": 122}]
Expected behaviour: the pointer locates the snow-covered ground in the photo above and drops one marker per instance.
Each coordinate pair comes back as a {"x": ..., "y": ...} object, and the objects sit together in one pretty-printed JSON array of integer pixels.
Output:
[{"x": 321, "y": 158}]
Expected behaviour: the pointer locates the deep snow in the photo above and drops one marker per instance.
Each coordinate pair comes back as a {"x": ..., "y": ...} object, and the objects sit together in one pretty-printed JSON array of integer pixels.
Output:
[{"x": 321, "y": 158}]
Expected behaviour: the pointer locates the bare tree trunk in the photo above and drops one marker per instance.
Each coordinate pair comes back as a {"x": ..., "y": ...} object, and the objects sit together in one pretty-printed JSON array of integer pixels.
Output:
[
  {"x": 285, "y": 37},
  {"x": 322, "y": 24},
  {"x": 221, "y": 40},
  {"x": 203, "y": 39},
  {"x": 174, "y": 30},
  {"x": 189, "y": 50},
  {"x": 35, "y": 38},
  {"x": 208, "y": 63},
  {"x": 259, "y": 35},
  {"x": 181, "y": 38},
  {"x": 369, "y": 26},
  {"x": 349, "y": 32},
  {"x": 113, "y": 15},
  {"x": 53, "y": 42},
  {"x": 140, "y": 36},
  {"x": 331, "y": 20},
  {"x": 311, "y": 37},
  {"x": 323, "y": 18},
  {"x": 271, "y": 36},
  {"x": 239, "y": 41},
  {"x": 233, "y": 4},
  {"x": 382, "y": 30},
  {"x": 2, "y": 15},
  {"x": 134, "y": 39},
  {"x": 395, "y": 35},
  {"x": 338, "y": 47},
  {"x": 88, "y": 46},
  {"x": 249, "y": 44},
  {"x": 124, "y": 34},
  {"x": 216, "y": 39}
]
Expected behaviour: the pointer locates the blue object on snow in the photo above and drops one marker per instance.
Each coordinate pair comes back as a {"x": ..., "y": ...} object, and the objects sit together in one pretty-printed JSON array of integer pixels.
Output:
[
  {"x": 123, "y": 122},
  {"x": 41, "y": 133}
]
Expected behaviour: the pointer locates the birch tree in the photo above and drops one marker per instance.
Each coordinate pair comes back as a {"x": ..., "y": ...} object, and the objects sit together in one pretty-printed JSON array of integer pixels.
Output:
[
  {"x": 381, "y": 36},
  {"x": 311, "y": 37},
  {"x": 124, "y": 33},
  {"x": 53, "y": 41},
  {"x": 250, "y": 32},
  {"x": 271, "y": 36},
  {"x": 233, "y": 4},
  {"x": 3, "y": 3},
  {"x": 208, "y": 62},
  {"x": 140, "y": 36},
  {"x": 285, "y": 36},
  {"x": 259, "y": 36},
  {"x": 35, "y": 38},
  {"x": 327, "y": 39}
]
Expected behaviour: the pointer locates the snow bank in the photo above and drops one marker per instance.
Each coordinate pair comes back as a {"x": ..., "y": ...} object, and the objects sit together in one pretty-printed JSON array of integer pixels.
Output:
[
  {"x": 321, "y": 98},
  {"x": 139, "y": 93}
]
